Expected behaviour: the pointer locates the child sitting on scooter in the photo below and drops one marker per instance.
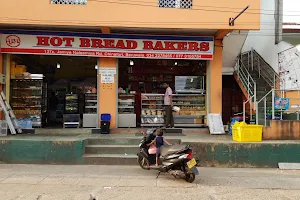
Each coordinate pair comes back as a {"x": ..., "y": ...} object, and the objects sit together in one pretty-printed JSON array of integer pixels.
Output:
[{"x": 159, "y": 141}]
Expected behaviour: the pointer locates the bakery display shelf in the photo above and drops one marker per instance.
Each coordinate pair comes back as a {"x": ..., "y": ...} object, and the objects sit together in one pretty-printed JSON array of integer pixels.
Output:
[
  {"x": 152, "y": 109},
  {"x": 71, "y": 97},
  {"x": 71, "y": 106},
  {"x": 89, "y": 118},
  {"x": 189, "y": 125},
  {"x": 151, "y": 125},
  {"x": 28, "y": 88},
  {"x": 176, "y": 116},
  {"x": 126, "y": 101},
  {"x": 152, "y": 104},
  {"x": 71, "y": 102},
  {"x": 182, "y": 104},
  {"x": 152, "y": 116},
  {"x": 124, "y": 107},
  {"x": 91, "y": 101},
  {"x": 188, "y": 116},
  {"x": 152, "y": 97},
  {"x": 192, "y": 110},
  {"x": 201, "y": 92},
  {"x": 27, "y": 98},
  {"x": 126, "y": 110},
  {"x": 25, "y": 106},
  {"x": 126, "y": 95},
  {"x": 152, "y": 100},
  {"x": 90, "y": 106}
]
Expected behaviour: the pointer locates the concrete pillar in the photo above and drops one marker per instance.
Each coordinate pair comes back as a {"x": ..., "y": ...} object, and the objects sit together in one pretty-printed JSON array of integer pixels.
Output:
[
  {"x": 107, "y": 93},
  {"x": 214, "y": 81}
]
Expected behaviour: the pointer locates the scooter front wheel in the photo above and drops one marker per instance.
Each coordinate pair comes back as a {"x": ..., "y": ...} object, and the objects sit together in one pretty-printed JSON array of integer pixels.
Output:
[
  {"x": 190, "y": 177},
  {"x": 143, "y": 162}
]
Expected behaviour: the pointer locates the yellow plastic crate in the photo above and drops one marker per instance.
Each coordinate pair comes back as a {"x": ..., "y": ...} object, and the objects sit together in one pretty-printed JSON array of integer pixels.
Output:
[{"x": 242, "y": 132}]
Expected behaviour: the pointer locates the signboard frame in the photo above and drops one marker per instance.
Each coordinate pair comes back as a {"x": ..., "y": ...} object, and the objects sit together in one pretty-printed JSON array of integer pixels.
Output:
[{"x": 107, "y": 45}]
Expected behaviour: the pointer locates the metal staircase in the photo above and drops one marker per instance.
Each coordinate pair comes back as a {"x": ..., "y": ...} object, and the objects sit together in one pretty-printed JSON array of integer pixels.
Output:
[
  {"x": 247, "y": 85},
  {"x": 257, "y": 80}
]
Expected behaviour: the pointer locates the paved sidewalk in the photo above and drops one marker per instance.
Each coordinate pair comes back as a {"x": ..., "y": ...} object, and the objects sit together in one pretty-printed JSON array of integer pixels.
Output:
[{"x": 57, "y": 182}]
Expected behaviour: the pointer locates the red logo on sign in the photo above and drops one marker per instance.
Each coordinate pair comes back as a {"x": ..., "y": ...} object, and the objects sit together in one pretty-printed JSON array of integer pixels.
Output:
[{"x": 13, "y": 41}]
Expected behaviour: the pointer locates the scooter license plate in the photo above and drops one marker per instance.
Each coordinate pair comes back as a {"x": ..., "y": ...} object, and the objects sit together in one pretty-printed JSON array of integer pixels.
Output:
[{"x": 191, "y": 163}]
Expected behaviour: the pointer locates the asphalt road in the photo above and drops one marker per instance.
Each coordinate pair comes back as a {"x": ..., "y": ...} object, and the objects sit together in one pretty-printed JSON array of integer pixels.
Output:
[{"x": 60, "y": 182}]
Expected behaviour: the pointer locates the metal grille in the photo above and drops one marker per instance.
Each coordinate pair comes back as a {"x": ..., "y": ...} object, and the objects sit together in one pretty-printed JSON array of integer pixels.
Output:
[
  {"x": 188, "y": 4},
  {"x": 72, "y": 2}
]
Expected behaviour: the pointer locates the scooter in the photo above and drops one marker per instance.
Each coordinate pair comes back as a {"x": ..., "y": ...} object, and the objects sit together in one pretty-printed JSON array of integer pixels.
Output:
[{"x": 176, "y": 159}]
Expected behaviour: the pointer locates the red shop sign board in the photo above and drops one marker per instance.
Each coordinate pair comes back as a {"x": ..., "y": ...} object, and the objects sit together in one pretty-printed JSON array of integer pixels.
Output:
[{"x": 108, "y": 45}]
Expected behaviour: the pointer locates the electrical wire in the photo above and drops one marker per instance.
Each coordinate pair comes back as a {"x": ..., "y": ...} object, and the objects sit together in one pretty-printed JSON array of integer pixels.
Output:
[
  {"x": 144, "y": 23},
  {"x": 252, "y": 32},
  {"x": 209, "y": 6},
  {"x": 161, "y": 23},
  {"x": 260, "y": 32},
  {"x": 208, "y": 10},
  {"x": 243, "y": 33},
  {"x": 209, "y": 23},
  {"x": 203, "y": 8}
]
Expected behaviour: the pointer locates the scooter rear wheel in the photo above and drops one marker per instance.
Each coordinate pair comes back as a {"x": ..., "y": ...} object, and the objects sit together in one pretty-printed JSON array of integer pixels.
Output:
[
  {"x": 144, "y": 164},
  {"x": 190, "y": 177}
]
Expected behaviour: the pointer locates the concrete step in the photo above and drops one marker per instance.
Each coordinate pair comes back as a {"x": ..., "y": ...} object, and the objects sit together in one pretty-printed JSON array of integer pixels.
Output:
[
  {"x": 110, "y": 159},
  {"x": 112, "y": 149},
  {"x": 60, "y": 131},
  {"x": 114, "y": 141},
  {"x": 122, "y": 141}
]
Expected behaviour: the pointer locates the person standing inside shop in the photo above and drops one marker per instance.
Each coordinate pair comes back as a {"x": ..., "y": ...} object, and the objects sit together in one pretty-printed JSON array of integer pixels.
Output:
[{"x": 169, "y": 120}]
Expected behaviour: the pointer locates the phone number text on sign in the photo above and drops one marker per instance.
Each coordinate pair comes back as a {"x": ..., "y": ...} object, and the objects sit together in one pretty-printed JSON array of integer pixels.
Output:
[{"x": 107, "y": 78}]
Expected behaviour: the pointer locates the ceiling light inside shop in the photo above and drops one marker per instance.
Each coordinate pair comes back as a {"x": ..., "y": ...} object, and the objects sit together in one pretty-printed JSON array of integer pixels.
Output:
[
  {"x": 96, "y": 66},
  {"x": 58, "y": 66},
  {"x": 175, "y": 63},
  {"x": 131, "y": 62}
]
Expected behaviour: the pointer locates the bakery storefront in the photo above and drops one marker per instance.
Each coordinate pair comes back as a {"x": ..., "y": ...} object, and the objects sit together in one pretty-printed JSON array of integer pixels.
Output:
[{"x": 87, "y": 75}]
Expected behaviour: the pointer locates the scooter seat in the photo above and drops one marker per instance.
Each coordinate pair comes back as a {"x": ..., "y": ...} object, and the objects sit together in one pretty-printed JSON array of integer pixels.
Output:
[{"x": 166, "y": 150}]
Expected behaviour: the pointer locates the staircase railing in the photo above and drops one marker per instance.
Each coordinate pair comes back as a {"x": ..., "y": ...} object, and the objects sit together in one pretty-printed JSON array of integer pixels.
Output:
[
  {"x": 248, "y": 83},
  {"x": 264, "y": 99},
  {"x": 265, "y": 70},
  {"x": 293, "y": 107},
  {"x": 246, "y": 79},
  {"x": 251, "y": 60},
  {"x": 249, "y": 100}
]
